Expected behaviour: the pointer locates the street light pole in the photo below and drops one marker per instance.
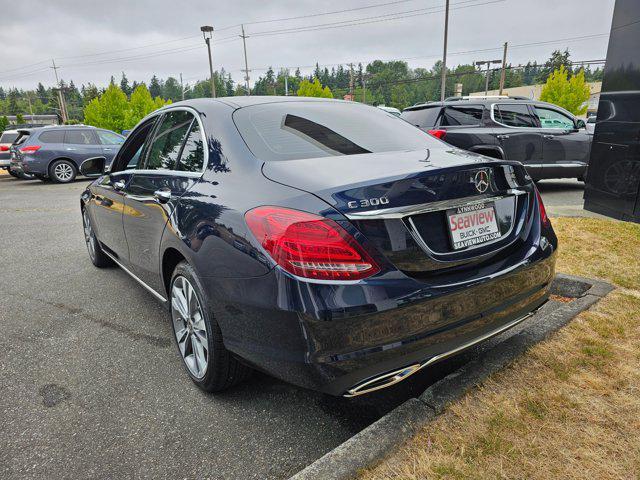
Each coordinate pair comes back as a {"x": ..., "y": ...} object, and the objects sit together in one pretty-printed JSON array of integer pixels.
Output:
[
  {"x": 443, "y": 81},
  {"x": 207, "y": 33}
]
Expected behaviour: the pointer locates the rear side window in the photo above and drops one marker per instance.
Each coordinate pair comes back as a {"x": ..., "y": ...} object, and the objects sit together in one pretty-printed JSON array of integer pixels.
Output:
[
  {"x": 79, "y": 137},
  {"x": 514, "y": 116},
  {"x": 169, "y": 139},
  {"x": 462, "y": 115},
  {"x": 109, "y": 138},
  {"x": 306, "y": 129},
  {"x": 54, "y": 136},
  {"x": 424, "y": 117},
  {"x": 192, "y": 157},
  {"x": 8, "y": 137}
]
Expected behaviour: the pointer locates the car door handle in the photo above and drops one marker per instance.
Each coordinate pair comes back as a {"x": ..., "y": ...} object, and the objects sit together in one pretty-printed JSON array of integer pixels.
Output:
[
  {"x": 502, "y": 137},
  {"x": 70, "y": 149},
  {"x": 549, "y": 137},
  {"x": 107, "y": 149},
  {"x": 162, "y": 195},
  {"x": 119, "y": 185}
]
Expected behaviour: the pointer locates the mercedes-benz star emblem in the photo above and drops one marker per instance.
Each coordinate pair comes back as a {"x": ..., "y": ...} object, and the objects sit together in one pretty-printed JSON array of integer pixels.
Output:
[{"x": 481, "y": 181}]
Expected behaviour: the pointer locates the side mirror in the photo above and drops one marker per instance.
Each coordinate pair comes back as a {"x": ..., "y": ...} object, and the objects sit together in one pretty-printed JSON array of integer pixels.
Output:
[
  {"x": 93, "y": 167},
  {"x": 580, "y": 123}
]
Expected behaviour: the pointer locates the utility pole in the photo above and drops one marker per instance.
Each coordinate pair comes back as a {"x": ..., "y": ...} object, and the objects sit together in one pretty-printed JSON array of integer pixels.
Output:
[
  {"x": 364, "y": 89},
  {"x": 181, "y": 87},
  {"x": 351, "y": 84},
  {"x": 207, "y": 33},
  {"x": 246, "y": 63},
  {"x": 488, "y": 64},
  {"x": 443, "y": 81},
  {"x": 504, "y": 67},
  {"x": 63, "y": 106},
  {"x": 286, "y": 82}
]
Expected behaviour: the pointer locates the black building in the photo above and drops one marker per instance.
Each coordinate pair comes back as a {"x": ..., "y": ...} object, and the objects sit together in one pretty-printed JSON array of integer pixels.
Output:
[{"x": 613, "y": 179}]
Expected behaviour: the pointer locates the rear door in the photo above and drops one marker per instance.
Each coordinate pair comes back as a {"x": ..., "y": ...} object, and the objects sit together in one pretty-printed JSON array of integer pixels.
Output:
[
  {"x": 565, "y": 149},
  {"x": 174, "y": 162},
  {"x": 110, "y": 143},
  {"x": 518, "y": 134},
  {"x": 80, "y": 144}
]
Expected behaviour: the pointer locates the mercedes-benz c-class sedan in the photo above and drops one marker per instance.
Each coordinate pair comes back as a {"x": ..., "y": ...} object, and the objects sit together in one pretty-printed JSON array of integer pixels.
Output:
[{"x": 328, "y": 243}]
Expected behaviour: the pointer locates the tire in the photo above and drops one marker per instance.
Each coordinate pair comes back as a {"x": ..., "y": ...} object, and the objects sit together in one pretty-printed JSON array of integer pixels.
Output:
[
  {"x": 213, "y": 369},
  {"x": 96, "y": 254},
  {"x": 26, "y": 176},
  {"x": 62, "y": 171},
  {"x": 12, "y": 173}
]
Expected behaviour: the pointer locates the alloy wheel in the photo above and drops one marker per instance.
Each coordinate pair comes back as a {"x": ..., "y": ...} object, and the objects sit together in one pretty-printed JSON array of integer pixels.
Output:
[
  {"x": 89, "y": 237},
  {"x": 189, "y": 326},
  {"x": 63, "y": 172}
]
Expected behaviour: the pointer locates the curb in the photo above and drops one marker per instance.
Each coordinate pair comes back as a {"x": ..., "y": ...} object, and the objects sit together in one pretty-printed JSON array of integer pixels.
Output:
[{"x": 378, "y": 439}]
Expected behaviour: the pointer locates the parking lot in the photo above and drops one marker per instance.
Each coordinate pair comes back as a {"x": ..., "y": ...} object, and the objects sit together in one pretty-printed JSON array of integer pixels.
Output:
[{"x": 91, "y": 382}]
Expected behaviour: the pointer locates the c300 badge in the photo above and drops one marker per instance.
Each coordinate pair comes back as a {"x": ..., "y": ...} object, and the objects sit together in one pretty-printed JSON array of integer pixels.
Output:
[{"x": 368, "y": 202}]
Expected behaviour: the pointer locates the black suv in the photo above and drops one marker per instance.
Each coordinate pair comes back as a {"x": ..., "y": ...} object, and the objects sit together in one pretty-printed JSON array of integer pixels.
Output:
[{"x": 547, "y": 139}]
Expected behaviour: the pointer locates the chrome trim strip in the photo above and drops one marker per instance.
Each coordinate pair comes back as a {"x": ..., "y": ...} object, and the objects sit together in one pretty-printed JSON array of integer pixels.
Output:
[
  {"x": 528, "y": 103},
  {"x": 398, "y": 375},
  {"x": 552, "y": 165},
  {"x": 401, "y": 212},
  {"x": 132, "y": 275}
]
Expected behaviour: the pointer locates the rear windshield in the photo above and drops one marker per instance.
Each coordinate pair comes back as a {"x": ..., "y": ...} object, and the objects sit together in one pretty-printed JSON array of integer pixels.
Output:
[
  {"x": 8, "y": 137},
  {"x": 424, "y": 117},
  {"x": 295, "y": 130}
]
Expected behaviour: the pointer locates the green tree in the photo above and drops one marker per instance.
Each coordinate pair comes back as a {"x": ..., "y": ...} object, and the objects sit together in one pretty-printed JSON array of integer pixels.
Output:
[
  {"x": 124, "y": 85},
  {"x": 108, "y": 111},
  {"x": 4, "y": 123},
  {"x": 19, "y": 119},
  {"x": 571, "y": 94},
  {"x": 155, "y": 87},
  {"x": 140, "y": 105},
  {"x": 313, "y": 89}
]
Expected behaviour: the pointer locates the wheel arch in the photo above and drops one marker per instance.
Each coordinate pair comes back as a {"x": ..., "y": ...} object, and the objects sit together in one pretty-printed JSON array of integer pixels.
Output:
[{"x": 170, "y": 259}]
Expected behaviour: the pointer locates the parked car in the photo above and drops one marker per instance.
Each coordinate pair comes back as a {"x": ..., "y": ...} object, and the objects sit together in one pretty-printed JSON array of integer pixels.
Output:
[
  {"x": 56, "y": 153},
  {"x": 16, "y": 137},
  {"x": 325, "y": 242},
  {"x": 7, "y": 137},
  {"x": 547, "y": 139},
  {"x": 591, "y": 124}
]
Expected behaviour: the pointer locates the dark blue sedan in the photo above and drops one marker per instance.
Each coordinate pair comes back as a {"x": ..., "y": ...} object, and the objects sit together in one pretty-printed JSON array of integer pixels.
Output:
[{"x": 328, "y": 243}]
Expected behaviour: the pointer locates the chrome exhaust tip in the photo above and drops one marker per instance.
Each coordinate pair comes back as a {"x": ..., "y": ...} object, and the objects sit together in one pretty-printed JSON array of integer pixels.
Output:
[{"x": 382, "y": 381}]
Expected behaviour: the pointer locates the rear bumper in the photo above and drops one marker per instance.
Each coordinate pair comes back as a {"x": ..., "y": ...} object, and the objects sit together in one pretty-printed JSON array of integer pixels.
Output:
[{"x": 333, "y": 338}]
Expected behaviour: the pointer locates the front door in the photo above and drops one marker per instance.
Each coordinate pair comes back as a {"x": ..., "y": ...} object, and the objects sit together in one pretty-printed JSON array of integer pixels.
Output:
[
  {"x": 110, "y": 143},
  {"x": 518, "y": 136},
  {"x": 174, "y": 163},
  {"x": 565, "y": 148},
  {"x": 108, "y": 194},
  {"x": 80, "y": 144}
]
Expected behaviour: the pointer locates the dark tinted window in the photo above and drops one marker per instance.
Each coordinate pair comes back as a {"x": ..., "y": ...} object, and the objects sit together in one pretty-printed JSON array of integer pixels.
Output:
[
  {"x": 514, "y": 115},
  {"x": 424, "y": 117},
  {"x": 53, "y": 136},
  {"x": 294, "y": 130},
  {"x": 80, "y": 137},
  {"x": 131, "y": 154},
  {"x": 462, "y": 115},
  {"x": 168, "y": 141},
  {"x": 192, "y": 157}
]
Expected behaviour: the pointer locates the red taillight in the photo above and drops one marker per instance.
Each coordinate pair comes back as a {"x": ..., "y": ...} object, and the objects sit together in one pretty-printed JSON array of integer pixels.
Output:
[
  {"x": 544, "y": 219},
  {"x": 30, "y": 149},
  {"x": 4, "y": 148},
  {"x": 438, "y": 133},
  {"x": 308, "y": 245}
]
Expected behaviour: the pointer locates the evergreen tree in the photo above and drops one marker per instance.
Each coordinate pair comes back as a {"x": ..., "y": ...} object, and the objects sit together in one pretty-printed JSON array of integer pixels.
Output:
[
  {"x": 155, "y": 87},
  {"x": 124, "y": 85},
  {"x": 42, "y": 94},
  {"x": 3, "y": 95}
]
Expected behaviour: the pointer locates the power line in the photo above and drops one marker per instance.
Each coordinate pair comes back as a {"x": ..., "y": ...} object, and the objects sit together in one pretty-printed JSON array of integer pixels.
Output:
[
  {"x": 315, "y": 14},
  {"x": 374, "y": 19}
]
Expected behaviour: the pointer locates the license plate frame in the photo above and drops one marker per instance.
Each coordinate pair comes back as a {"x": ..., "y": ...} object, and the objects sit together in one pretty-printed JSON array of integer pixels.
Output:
[{"x": 483, "y": 227}]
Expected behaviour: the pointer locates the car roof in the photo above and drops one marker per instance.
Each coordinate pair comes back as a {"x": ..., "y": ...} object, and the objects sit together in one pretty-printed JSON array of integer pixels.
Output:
[
  {"x": 9, "y": 131},
  {"x": 246, "y": 101},
  {"x": 481, "y": 100}
]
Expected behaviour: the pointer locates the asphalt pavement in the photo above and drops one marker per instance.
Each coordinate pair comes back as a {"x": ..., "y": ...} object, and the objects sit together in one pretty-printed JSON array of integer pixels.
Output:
[{"x": 92, "y": 385}]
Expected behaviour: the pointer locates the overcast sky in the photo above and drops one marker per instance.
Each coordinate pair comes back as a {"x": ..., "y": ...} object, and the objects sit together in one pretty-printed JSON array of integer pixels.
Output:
[{"x": 92, "y": 40}]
